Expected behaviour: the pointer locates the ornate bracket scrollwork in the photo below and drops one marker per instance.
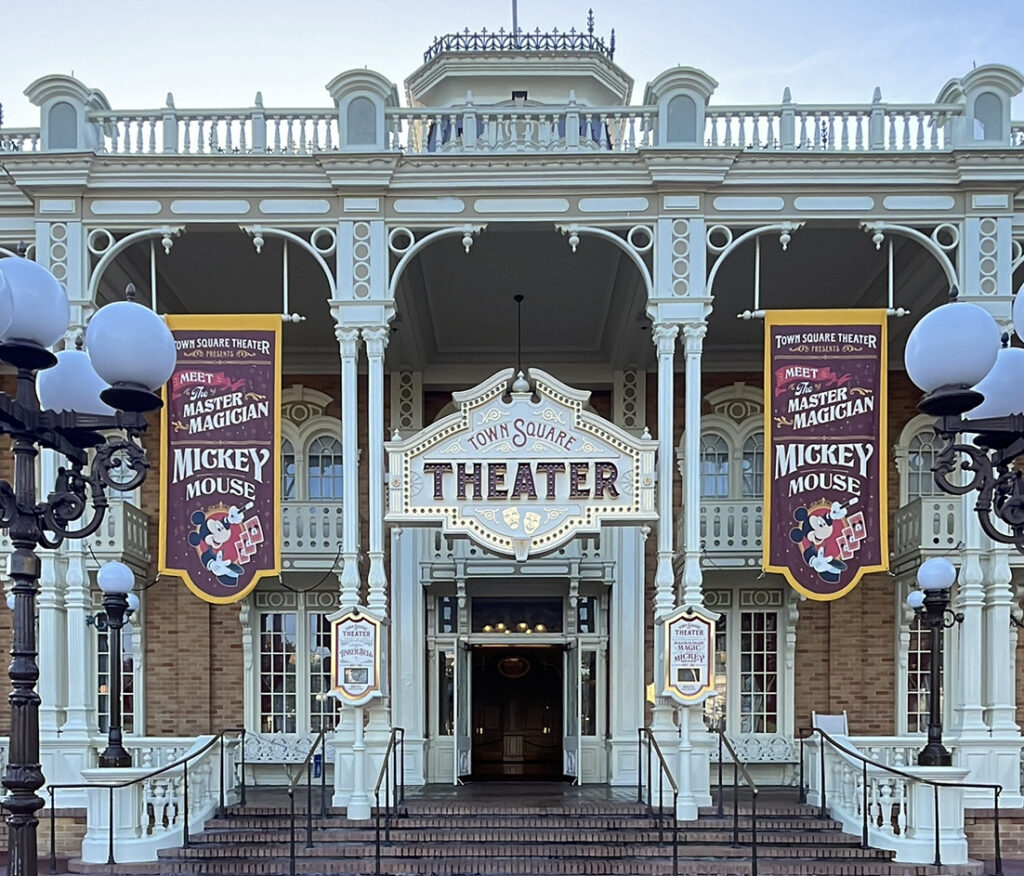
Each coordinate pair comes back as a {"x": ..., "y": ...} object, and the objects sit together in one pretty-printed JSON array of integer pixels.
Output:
[{"x": 993, "y": 473}]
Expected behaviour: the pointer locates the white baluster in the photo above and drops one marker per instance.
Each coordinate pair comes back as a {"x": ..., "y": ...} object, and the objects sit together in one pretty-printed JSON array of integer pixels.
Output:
[
  {"x": 893, "y": 139},
  {"x": 188, "y": 136}
]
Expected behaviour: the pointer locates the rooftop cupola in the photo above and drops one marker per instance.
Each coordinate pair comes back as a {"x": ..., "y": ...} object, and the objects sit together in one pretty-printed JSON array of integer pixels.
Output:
[{"x": 534, "y": 68}]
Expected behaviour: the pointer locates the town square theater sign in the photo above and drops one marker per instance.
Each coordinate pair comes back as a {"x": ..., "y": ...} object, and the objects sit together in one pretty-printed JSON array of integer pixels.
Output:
[{"x": 521, "y": 469}]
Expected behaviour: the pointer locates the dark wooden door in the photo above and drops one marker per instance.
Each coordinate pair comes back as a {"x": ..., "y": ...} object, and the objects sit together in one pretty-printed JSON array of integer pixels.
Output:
[{"x": 517, "y": 713}]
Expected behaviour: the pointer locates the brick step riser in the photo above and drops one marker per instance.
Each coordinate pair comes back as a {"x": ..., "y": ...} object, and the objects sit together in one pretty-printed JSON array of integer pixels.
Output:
[
  {"x": 552, "y": 836},
  {"x": 470, "y": 822},
  {"x": 792, "y": 867}
]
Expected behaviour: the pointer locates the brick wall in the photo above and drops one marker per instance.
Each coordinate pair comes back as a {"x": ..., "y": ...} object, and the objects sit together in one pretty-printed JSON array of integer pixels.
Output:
[{"x": 979, "y": 825}]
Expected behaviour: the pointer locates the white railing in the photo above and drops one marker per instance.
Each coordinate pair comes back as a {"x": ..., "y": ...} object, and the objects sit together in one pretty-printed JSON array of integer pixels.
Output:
[
  {"x": 19, "y": 140},
  {"x": 729, "y": 526},
  {"x": 932, "y": 523},
  {"x": 311, "y": 530},
  {"x": 123, "y": 535},
  {"x": 150, "y": 815},
  {"x": 899, "y": 808},
  {"x": 520, "y": 129},
  {"x": 920, "y": 127},
  {"x": 555, "y": 128}
]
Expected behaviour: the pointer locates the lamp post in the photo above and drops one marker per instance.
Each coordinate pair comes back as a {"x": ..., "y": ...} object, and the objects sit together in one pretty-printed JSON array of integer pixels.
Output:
[
  {"x": 974, "y": 383},
  {"x": 116, "y": 581},
  {"x": 931, "y": 604},
  {"x": 62, "y": 403}
]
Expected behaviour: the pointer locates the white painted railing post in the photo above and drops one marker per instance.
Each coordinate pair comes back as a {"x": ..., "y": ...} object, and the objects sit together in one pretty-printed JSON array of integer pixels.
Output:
[
  {"x": 469, "y": 124},
  {"x": 787, "y": 123},
  {"x": 572, "y": 123},
  {"x": 876, "y": 124},
  {"x": 170, "y": 125},
  {"x": 259, "y": 125}
]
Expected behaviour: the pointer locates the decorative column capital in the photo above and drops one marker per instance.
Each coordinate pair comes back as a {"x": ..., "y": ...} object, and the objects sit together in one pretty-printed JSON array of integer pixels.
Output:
[
  {"x": 693, "y": 337},
  {"x": 348, "y": 340},
  {"x": 376, "y": 340},
  {"x": 664, "y": 336}
]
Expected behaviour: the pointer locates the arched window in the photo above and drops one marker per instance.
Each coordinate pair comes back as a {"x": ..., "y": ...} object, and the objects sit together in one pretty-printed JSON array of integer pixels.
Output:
[
  {"x": 362, "y": 122},
  {"x": 988, "y": 117},
  {"x": 323, "y": 463},
  {"x": 753, "y": 466},
  {"x": 921, "y": 453},
  {"x": 714, "y": 466},
  {"x": 63, "y": 128},
  {"x": 287, "y": 470},
  {"x": 682, "y": 119}
]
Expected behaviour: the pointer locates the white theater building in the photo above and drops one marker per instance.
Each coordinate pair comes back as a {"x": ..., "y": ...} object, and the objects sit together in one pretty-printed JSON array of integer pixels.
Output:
[{"x": 400, "y": 222}]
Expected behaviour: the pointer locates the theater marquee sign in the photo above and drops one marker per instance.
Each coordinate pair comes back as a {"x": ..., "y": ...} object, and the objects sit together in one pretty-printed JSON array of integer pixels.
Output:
[{"x": 521, "y": 473}]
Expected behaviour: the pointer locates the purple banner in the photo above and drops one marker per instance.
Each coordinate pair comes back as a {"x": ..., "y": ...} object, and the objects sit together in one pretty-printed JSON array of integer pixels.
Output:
[
  {"x": 220, "y": 480},
  {"x": 825, "y": 448}
]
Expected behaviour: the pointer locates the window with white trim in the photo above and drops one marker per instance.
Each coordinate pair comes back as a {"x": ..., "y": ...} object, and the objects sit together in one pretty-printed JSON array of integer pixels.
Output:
[
  {"x": 749, "y": 665},
  {"x": 131, "y": 646},
  {"x": 292, "y": 643},
  {"x": 922, "y": 451}
]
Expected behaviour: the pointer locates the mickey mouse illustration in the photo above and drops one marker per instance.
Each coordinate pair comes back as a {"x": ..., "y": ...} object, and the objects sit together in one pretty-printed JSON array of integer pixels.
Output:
[
  {"x": 217, "y": 535},
  {"x": 817, "y": 533}
]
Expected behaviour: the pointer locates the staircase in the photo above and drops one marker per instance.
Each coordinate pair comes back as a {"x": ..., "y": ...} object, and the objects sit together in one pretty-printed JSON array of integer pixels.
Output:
[{"x": 527, "y": 833}]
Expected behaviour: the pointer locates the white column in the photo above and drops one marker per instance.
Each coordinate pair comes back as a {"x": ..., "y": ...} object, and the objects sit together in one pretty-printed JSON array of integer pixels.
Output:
[
  {"x": 348, "y": 341},
  {"x": 626, "y": 656},
  {"x": 408, "y": 650},
  {"x": 664, "y": 337},
  {"x": 693, "y": 578},
  {"x": 80, "y": 717},
  {"x": 376, "y": 339},
  {"x": 999, "y": 703},
  {"x": 969, "y": 599}
]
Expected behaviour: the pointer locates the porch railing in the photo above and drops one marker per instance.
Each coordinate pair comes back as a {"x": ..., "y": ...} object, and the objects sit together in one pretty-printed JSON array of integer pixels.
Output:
[
  {"x": 645, "y": 740},
  {"x": 874, "y": 126},
  {"x": 890, "y": 808},
  {"x": 157, "y": 807}
]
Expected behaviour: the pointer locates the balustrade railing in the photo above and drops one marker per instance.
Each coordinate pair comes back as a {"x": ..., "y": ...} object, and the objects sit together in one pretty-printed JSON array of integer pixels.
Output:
[
  {"x": 889, "y": 806},
  {"x": 123, "y": 535},
  {"x": 927, "y": 523},
  {"x": 855, "y": 128},
  {"x": 311, "y": 528},
  {"x": 162, "y": 805},
  {"x": 568, "y": 127},
  {"x": 729, "y": 526}
]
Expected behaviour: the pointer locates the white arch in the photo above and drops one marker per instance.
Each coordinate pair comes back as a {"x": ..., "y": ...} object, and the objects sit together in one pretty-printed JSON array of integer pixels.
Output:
[
  {"x": 781, "y": 227},
  {"x": 880, "y": 227},
  {"x": 605, "y": 234},
  {"x": 167, "y": 233},
  {"x": 255, "y": 231},
  {"x": 417, "y": 245}
]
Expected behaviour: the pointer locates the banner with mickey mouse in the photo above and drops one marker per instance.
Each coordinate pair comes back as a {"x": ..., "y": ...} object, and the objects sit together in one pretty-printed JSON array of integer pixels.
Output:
[
  {"x": 219, "y": 456},
  {"x": 825, "y": 448}
]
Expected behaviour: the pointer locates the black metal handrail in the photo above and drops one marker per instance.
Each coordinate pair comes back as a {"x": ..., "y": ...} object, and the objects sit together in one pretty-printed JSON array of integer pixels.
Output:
[
  {"x": 321, "y": 741},
  {"x": 935, "y": 784},
  {"x": 645, "y": 734},
  {"x": 392, "y": 777},
  {"x": 737, "y": 767},
  {"x": 114, "y": 786}
]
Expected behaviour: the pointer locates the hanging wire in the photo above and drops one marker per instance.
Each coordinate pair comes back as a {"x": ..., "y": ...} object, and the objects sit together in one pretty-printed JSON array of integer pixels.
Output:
[{"x": 519, "y": 332}]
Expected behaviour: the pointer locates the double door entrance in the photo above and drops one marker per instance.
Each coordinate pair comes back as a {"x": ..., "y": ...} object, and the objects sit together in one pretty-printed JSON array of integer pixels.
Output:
[{"x": 517, "y": 712}]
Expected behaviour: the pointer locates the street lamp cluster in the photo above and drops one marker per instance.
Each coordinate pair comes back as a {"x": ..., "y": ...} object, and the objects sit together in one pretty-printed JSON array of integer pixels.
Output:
[
  {"x": 70, "y": 403},
  {"x": 972, "y": 380}
]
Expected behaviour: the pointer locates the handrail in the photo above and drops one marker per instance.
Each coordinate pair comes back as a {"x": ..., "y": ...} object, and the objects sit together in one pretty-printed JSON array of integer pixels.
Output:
[
  {"x": 737, "y": 767},
  {"x": 663, "y": 772},
  {"x": 392, "y": 777},
  {"x": 321, "y": 741},
  {"x": 934, "y": 783},
  {"x": 115, "y": 786}
]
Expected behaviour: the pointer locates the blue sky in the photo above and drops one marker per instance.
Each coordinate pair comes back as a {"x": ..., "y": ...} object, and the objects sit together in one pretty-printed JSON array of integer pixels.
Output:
[{"x": 215, "y": 53}]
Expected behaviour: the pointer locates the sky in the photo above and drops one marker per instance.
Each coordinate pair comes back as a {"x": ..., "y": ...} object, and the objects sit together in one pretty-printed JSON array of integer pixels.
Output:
[{"x": 218, "y": 53}]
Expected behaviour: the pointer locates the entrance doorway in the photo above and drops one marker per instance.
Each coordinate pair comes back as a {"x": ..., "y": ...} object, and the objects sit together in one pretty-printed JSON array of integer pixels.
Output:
[{"x": 517, "y": 728}]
